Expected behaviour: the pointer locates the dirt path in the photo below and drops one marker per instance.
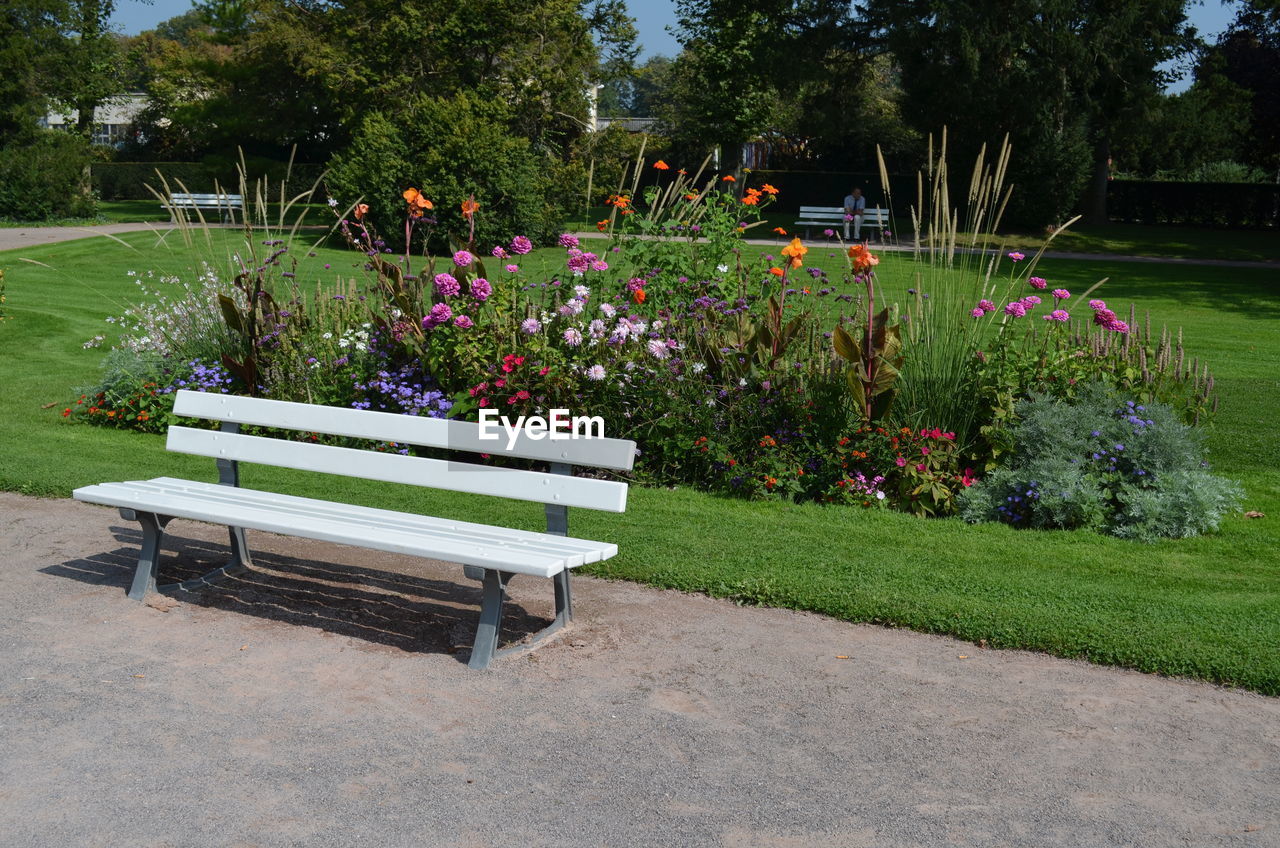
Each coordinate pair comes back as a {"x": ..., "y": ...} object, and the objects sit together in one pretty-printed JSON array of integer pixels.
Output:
[{"x": 317, "y": 702}]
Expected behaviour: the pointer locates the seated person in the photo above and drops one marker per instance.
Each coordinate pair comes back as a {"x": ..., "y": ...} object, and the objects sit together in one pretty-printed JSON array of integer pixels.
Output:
[{"x": 854, "y": 205}]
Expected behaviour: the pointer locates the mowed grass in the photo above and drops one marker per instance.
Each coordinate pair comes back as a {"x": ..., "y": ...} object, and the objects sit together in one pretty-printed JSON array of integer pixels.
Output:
[{"x": 1207, "y": 608}]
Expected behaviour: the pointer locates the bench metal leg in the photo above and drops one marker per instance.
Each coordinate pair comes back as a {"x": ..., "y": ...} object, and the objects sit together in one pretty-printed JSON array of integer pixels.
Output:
[
  {"x": 144, "y": 576},
  {"x": 490, "y": 627},
  {"x": 238, "y": 564}
]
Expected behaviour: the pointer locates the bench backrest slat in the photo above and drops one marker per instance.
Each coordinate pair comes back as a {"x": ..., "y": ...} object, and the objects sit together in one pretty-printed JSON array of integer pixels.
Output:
[
  {"x": 614, "y": 454},
  {"x": 558, "y": 489}
]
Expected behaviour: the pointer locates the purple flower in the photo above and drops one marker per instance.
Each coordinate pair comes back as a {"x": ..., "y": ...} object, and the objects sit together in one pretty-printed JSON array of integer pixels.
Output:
[
  {"x": 440, "y": 314},
  {"x": 1095, "y": 305},
  {"x": 986, "y": 306},
  {"x": 1118, "y": 326},
  {"x": 1017, "y": 256},
  {"x": 513, "y": 268},
  {"x": 1030, "y": 302},
  {"x": 521, "y": 245},
  {"x": 1061, "y": 294},
  {"x": 462, "y": 322},
  {"x": 1058, "y": 315},
  {"x": 828, "y": 233},
  {"x": 1038, "y": 283},
  {"x": 498, "y": 252},
  {"x": 481, "y": 289},
  {"x": 568, "y": 240},
  {"x": 572, "y": 337},
  {"x": 447, "y": 285},
  {"x": 530, "y": 326},
  {"x": 1015, "y": 308},
  {"x": 595, "y": 373},
  {"x": 599, "y": 265},
  {"x": 462, "y": 259},
  {"x": 977, "y": 313}
]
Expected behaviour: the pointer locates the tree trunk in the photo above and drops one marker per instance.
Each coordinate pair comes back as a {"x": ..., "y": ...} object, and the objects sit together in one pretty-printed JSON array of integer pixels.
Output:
[{"x": 1094, "y": 205}]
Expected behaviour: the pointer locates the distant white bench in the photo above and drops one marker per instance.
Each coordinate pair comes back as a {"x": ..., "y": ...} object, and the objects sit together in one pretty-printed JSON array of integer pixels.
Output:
[
  {"x": 226, "y": 204},
  {"x": 490, "y": 554},
  {"x": 874, "y": 220}
]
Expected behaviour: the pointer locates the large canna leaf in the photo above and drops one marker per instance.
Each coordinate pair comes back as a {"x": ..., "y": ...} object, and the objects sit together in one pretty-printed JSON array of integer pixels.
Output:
[{"x": 231, "y": 314}]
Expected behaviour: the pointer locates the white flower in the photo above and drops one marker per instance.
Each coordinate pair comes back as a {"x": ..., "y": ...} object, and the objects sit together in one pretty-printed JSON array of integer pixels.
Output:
[
  {"x": 572, "y": 337},
  {"x": 638, "y": 328},
  {"x": 608, "y": 310},
  {"x": 343, "y": 343},
  {"x": 596, "y": 329},
  {"x": 743, "y": 382},
  {"x": 658, "y": 348},
  {"x": 657, "y": 325},
  {"x": 879, "y": 496},
  {"x": 699, "y": 367},
  {"x": 595, "y": 373},
  {"x": 582, "y": 292},
  {"x": 333, "y": 202},
  {"x": 327, "y": 336},
  {"x": 723, "y": 269}
]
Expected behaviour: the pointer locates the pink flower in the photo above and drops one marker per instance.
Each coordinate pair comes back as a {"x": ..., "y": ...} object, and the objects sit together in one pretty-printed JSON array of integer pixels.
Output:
[
  {"x": 977, "y": 313},
  {"x": 1016, "y": 256},
  {"x": 901, "y": 462},
  {"x": 1037, "y": 282},
  {"x": 599, "y": 265},
  {"x": 440, "y": 314},
  {"x": 498, "y": 252},
  {"x": 1118, "y": 326},
  {"x": 1104, "y": 317},
  {"x": 1061, "y": 294},
  {"x": 513, "y": 268},
  {"x": 521, "y": 245},
  {"x": 462, "y": 322},
  {"x": 920, "y": 468},
  {"x": 635, "y": 284},
  {"x": 986, "y": 306},
  {"x": 1016, "y": 309},
  {"x": 447, "y": 285},
  {"x": 568, "y": 240},
  {"x": 1058, "y": 315},
  {"x": 481, "y": 289},
  {"x": 462, "y": 259},
  {"x": 1095, "y": 305},
  {"x": 1030, "y": 300}
]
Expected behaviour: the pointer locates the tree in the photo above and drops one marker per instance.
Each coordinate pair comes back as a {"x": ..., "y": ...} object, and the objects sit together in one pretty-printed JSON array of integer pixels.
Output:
[
  {"x": 1058, "y": 76},
  {"x": 25, "y": 27},
  {"x": 1250, "y": 51},
  {"x": 88, "y": 60}
]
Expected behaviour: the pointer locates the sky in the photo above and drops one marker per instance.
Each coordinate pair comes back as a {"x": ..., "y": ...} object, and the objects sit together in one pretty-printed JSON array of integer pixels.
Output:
[{"x": 652, "y": 19}]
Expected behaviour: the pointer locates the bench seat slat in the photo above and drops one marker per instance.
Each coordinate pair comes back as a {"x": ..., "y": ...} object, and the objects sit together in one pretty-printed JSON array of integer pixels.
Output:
[
  {"x": 487, "y": 547},
  {"x": 615, "y": 454},
  {"x": 560, "y": 490}
]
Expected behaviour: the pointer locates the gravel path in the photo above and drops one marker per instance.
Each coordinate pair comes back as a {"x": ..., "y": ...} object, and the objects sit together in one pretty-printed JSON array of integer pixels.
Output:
[{"x": 319, "y": 701}]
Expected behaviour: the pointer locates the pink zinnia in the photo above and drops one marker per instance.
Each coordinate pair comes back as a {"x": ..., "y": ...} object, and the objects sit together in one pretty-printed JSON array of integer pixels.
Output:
[
  {"x": 986, "y": 306},
  {"x": 1104, "y": 317},
  {"x": 498, "y": 252},
  {"x": 447, "y": 285},
  {"x": 481, "y": 289},
  {"x": 1016, "y": 309},
  {"x": 1118, "y": 326},
  {"x": 1038, "y": 282},
  {"x": 1016, "y": 256},
  {"x": 462, "y": 259},
  {"x": 977, "y": 313},
  {"x": 440, "y": 314},
  {"x": 1030, "y": 301},
  {"x": 901, "y": 462},
  {"x": 1058, "y": 315},
  {"x": 1095, "y": 305},
  {"x": 462, "y": 322},
  {"x": 1061, "y": 294},
  {"x": 513, "y": 268},
  {"x": 568, "y": 240},
  {"x": 521, "y": 245}
]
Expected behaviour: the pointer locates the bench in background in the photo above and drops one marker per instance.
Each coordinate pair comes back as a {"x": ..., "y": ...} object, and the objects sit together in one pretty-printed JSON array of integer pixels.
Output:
[
  {"x": 226, "y": 204},
  {"x": 874, "y": 220},
  {"x": 488, "y": 553}
]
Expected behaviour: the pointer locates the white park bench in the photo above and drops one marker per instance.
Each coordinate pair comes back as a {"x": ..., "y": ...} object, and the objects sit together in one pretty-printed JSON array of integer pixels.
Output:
[
  {"x": 488, "y": 553},
  {"x": 226, "y": 204},
  {"x": 874, "y": 220}
]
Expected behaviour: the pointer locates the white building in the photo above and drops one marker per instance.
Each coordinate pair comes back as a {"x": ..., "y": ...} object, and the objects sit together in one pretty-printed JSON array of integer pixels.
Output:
[{"x": 111, "y": 119}]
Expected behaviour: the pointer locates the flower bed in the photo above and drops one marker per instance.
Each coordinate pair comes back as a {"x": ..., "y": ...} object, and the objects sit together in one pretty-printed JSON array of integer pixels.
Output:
[{"x": 760, "y": 376}]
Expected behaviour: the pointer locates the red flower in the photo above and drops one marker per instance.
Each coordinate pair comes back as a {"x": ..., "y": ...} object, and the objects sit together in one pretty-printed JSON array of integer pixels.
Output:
[{"x": 661, "y": 166}]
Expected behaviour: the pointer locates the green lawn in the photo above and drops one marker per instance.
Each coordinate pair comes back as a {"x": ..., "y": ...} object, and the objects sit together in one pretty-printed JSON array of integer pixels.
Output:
[{"x": 1206, "y": 608}]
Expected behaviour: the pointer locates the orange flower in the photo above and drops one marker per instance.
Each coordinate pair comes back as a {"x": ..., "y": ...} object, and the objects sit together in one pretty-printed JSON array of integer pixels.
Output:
[
  {"x": 751, "y": 200},
  {"x": 796, "y": 251},
  {"x": 777, "y": 272},
  {"x": 417, "y": 202},
  {"x": 619, "y": 200},
  {"x": 728, "y": 178},
  {"x": 602, "y": 225},
  {"x": 638, "y": 296},
  {"x": 768, "y": 189},
  {"x": 862, "y": 259},
  {"x": 469, "y": 207},
  {"x": 361, "y": 210},
  {"x": 780, "y": 231},
  {"x": 661, "y": 166},
  {"x": 691, "y": 196}
]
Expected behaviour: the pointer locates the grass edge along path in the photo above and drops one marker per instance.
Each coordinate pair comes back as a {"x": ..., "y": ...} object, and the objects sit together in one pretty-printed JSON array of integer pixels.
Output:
[{"x": 1206, "y": 608}]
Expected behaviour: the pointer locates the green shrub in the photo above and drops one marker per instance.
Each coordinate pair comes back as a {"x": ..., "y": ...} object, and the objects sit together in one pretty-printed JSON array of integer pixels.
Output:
[
  {"x": 1106, "y": 463},
  {"x": 42, "y": 179},
  {"x": 449, "y": 149}
]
